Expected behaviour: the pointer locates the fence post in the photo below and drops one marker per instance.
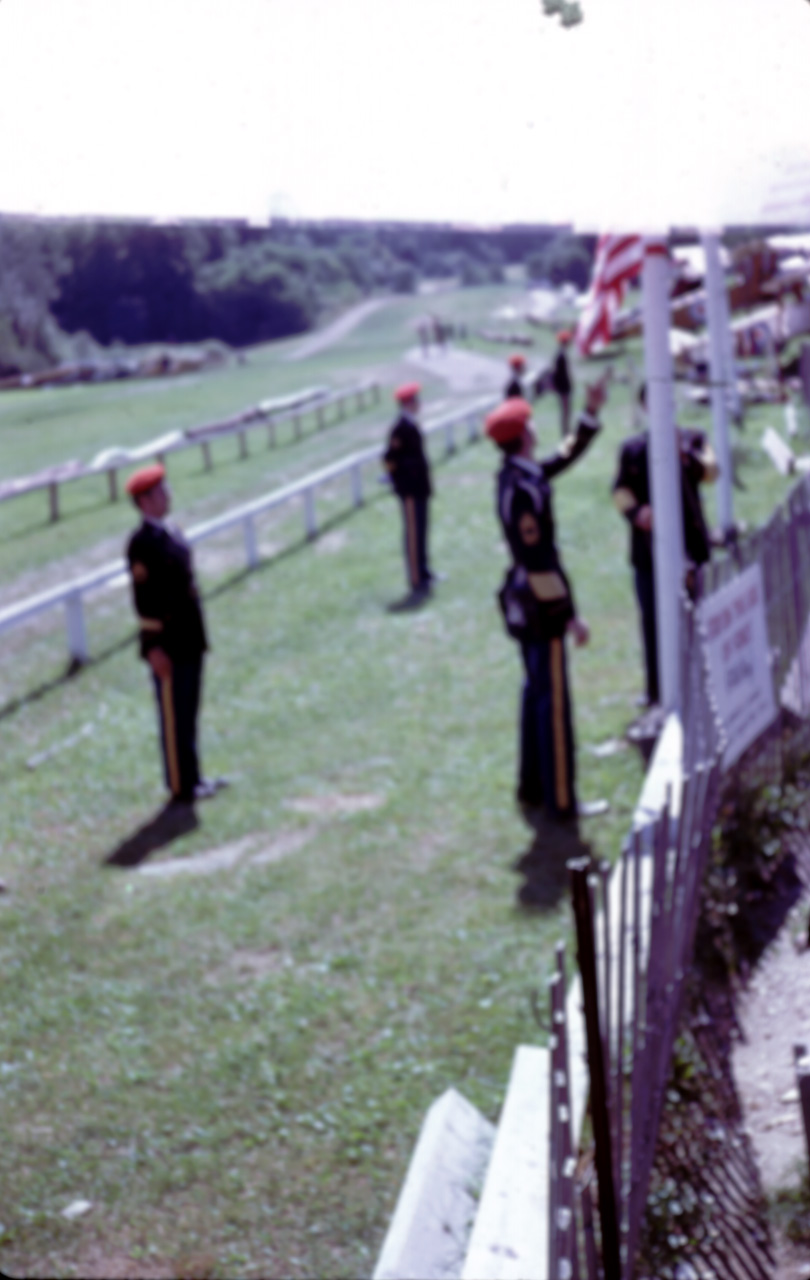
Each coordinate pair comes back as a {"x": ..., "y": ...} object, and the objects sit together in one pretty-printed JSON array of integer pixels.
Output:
[
  {"x": 341, "y": 405},
  {"x": 297, "y": 424},
  {"x": 310, "y": 517},
  {"x": 472, "y": 427},
  {"x": 243, "y": 449},
  {"x": 580, "y": 869},
  {"x": 449, "y": 442},
  {"x": 376, "y": 390},
  {"x": 319, "y": 417},
  {"x": 251, "y": 549},
  {"x": 802, "y": 1061},
  {"x": 357, "y": 484},
  {"x": 359, "y": 398},
  {"x": 112, "y": 479},
  {"x": 53, "y": 494},
  {"x": 271, "y": 433},
  {"x": 76, "y": 633}
]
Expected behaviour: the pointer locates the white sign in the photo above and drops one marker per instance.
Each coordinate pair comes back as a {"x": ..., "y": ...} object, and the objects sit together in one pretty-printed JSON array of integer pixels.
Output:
[{"x": 736, "y": 646}]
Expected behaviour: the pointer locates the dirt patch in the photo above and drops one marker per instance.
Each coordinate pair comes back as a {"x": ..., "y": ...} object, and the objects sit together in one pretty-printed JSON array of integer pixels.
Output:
[
  {"x": 330, "y": 806},
  {"x": 98, "y": 1264},
  {"x": 773, "y": 1015},
  {"x": 200, "y": 864},
  {"x": 256, "y": 850},
  {"x": 255, "y": 964},
  {"x": 332, "y": 542},
  {"x": 282, "y": 846}
]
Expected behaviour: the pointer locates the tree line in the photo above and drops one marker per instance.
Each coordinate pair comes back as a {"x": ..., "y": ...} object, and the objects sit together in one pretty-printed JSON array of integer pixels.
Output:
[{"x": 66, "y": 283}]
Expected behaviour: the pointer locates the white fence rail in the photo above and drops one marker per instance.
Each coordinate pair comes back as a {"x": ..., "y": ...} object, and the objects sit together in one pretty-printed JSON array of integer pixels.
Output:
[
  {"x": 269, "y": 413},
  {"x": 71, "y": 595}
]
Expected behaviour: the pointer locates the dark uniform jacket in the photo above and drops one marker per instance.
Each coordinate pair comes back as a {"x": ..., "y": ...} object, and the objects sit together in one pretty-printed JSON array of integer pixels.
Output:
[
  {"x": 165, "y": 592},
  {"x": 406, "y": 461},
  {"x": 514, "y": 387},
  {"x": 631, "y": 490},
  {"x": 560, "y": 375},
  {"x": 523, "y": 497}
]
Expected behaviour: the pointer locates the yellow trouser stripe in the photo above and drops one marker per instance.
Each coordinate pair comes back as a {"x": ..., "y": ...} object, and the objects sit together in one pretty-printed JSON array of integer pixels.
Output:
[
  {"x": 170, "y": 734},
  {"x": 410, "y": 538},
  {"x": 562, "y": 792}
]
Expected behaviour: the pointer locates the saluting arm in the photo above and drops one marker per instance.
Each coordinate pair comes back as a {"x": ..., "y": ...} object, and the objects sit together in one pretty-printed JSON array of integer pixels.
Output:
[{"x": 572, "y": 447}]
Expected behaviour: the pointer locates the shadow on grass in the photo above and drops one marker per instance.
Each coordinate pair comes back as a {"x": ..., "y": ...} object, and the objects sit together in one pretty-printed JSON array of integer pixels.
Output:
[
  {"x": 168, "y": 824},
  {"x": 544, "y": 865}
]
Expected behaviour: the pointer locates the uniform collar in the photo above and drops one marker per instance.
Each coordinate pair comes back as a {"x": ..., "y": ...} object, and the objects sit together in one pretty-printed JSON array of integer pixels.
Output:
[{"x": 527, "y": 464}]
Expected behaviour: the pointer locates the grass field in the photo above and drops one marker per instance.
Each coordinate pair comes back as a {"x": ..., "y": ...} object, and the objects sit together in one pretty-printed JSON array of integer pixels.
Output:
[{"x": 228, "y": 1050}]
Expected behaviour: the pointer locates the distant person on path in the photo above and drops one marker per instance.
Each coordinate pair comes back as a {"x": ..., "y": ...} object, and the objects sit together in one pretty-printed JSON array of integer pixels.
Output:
[
  {"x": 172, "y": 631},
  {"x": 514, "y": 387},
  {"x": 561, "y": 381},
  {"x": 631, "y": 494},
  {"x": 538, "y": 605},
  {"x": 407, "y": 465}
]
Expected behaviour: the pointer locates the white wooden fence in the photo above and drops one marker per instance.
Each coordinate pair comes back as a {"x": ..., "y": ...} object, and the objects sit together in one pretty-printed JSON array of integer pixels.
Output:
[
  {"x": 71, "y": 594},
  {"x": 269, "y": 413}
]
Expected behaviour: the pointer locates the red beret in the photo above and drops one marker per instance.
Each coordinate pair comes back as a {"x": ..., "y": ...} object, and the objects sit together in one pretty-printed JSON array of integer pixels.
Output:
[
  {"x": 408, "y": 391},
  {"x": 145, "y": 479},
  {"x": 509, "y": 420},
  {"x": 564, "y": 335},
  {"x": 517, "y": 361}
]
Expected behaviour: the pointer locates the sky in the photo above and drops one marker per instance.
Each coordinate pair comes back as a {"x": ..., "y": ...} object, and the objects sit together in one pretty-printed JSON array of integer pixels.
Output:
[{"x": 649, "y": 113}]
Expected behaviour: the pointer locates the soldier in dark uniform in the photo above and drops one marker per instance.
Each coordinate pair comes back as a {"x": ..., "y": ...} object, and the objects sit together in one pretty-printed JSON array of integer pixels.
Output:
[
  {"x": 409, "y": 470},
  {"x": 561, "y": 380},
  {"x": 172, "y": 631},
  {"x": 538, "y": 604},
  {"x": 514, "y": 387},
  {"x": 631, "y": 494}
]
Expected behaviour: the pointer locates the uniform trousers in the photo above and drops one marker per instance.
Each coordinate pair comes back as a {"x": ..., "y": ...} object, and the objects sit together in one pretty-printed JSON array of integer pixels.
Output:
[
  {"x": 178, "y": 699},
  {"x": 645, "y": 594},
  {"x": 546, "y": 730},
  {"x": 415, "y": 538}
]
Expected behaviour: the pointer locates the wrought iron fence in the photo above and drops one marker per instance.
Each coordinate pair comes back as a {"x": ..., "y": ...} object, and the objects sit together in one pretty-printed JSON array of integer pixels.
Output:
[{"x": 636, "y": 927}]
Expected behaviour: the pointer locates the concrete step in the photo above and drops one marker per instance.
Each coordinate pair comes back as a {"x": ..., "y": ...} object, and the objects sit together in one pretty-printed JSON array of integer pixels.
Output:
[
  {"x": 430, "y": 1228},
  {"x": 509, "y": 1238}
]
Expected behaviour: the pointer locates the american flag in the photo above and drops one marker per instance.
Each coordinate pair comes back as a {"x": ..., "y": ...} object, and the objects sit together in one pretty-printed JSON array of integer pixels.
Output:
[{"x": 618, "y": 259}]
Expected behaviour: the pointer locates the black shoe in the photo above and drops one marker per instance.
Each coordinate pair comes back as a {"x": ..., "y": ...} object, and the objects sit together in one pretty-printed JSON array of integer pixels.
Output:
[{"x": 412, "y": 600}]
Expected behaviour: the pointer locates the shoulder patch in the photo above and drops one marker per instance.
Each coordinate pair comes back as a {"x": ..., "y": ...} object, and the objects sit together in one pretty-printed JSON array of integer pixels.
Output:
[
  {"x": 529, "y": 529},
  {"x": 139, "y": 572}
]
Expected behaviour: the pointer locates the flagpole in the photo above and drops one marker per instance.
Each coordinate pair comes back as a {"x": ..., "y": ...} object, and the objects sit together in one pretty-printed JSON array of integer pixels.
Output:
[
  {"x": 715, "y": 286},
  {"x": 665, "y": 469}
]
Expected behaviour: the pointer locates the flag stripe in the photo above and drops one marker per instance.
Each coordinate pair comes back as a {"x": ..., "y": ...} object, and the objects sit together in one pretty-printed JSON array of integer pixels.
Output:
[{"x": 618, "y": 259}]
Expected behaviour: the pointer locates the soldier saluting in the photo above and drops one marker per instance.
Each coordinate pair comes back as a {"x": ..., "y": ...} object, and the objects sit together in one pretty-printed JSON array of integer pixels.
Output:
[
  {"x": 172, "y": 631},
  {"x": 538, "y": 605}
]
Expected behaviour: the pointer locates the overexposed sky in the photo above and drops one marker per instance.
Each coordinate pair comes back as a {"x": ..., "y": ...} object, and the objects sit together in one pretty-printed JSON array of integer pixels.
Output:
[{"x": 650, "y": 112}]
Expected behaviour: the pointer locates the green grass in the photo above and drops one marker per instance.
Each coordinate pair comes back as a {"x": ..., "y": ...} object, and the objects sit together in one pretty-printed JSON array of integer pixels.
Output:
[{"x": 234, "y": 1066}]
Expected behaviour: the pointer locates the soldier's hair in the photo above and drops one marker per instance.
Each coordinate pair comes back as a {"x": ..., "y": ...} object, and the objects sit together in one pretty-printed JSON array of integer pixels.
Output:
[{"x": 512, "y": 447}]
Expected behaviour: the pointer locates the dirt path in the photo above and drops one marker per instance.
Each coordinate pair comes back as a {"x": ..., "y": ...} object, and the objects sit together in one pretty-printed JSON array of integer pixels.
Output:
[
  {"x": 774, "y": 1015},
  {"x": 338, "y": 329},
  {"x": 463, "y": 371}
]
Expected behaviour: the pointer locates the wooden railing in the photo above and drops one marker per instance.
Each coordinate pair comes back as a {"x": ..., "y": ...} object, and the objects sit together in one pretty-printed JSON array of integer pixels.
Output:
[
  {"x": 267, "y": 413},
  {"x": 71, "y": 595}
]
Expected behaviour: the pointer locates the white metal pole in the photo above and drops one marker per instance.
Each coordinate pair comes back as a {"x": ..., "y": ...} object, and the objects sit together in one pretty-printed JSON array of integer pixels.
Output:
[
  {"x": 732, "y": 389},
  {"x": 665, "y": 470},
  {"x": 715, "y": 286}
]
